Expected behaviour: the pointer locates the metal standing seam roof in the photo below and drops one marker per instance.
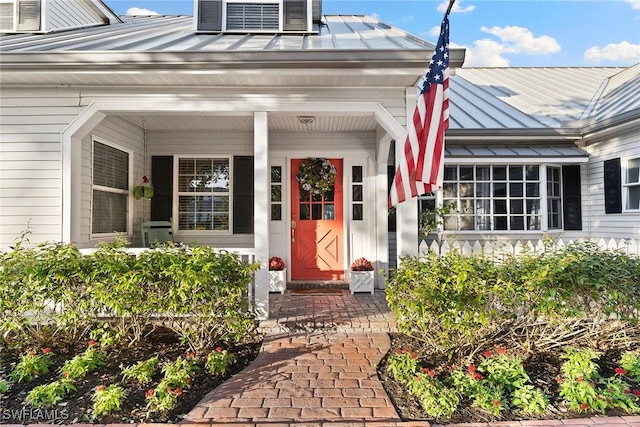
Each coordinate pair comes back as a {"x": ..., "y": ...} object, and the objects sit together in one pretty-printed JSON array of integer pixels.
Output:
[
  {"x": 175, "y": 33},
  {"x": 618, "y": 95},
  {"x": 516, "y": 98},
  {"x": 535, "y": 151}
]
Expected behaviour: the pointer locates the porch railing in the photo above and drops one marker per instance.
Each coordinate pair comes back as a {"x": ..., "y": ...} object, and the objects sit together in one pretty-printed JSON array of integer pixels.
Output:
[{"x": 502, "y": 248}]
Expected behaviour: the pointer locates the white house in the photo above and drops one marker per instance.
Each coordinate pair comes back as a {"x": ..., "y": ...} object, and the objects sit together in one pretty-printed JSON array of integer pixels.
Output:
[{"x": 220, "y": 109}]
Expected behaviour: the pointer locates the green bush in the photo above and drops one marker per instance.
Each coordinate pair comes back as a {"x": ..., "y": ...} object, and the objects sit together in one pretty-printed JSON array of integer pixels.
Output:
[
  {"x": 457, "y": 303},
  {"x": 52, "y": 291}
]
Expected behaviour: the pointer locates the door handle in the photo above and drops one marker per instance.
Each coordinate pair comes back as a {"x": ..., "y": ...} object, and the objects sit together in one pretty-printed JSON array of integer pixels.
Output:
[{"x": 293, "y": 230}]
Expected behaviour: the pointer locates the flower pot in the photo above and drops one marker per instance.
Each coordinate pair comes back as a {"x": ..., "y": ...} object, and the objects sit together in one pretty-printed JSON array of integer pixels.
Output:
[
  {"x": 361, "y": 281},
  {"x": 278, "y": 281}
]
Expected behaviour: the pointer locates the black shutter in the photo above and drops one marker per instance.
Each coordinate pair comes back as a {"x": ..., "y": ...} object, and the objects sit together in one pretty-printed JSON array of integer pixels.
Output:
[
  {"x": 162, "y": 179},
  {"x": 210, "y": 15},
  {"x": 243, "y": 195},
  {"x": 571, "y": 197},
  {"x": 391, "y": 222},
  {"x": 295, "y": 15},
  {"x": 612, "y": 186}
]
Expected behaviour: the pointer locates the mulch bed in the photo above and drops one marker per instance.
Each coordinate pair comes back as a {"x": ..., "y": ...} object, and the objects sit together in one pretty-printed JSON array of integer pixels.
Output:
[
  {"x": 77, "y": 407},
  {"x": 542, "y": 368}
]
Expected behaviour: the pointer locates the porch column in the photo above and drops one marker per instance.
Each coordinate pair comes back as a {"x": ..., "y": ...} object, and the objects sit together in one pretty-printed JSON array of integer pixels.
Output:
[
  {"x": 407, "y": 211},
  {"x": 261, "y": 209},
  {"x": 382, "y": 203}
]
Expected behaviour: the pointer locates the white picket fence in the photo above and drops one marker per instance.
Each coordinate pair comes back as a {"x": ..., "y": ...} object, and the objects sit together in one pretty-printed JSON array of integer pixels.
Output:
[{"x": 502, "y": 248}]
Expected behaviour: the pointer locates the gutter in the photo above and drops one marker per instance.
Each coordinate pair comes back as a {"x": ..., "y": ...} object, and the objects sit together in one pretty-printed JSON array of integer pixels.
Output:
[{"x": 308, "y": 59}]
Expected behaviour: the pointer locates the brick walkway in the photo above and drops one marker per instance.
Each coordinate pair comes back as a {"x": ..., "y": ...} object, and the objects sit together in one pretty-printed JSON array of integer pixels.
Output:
[{"x": 317, "y": 368}]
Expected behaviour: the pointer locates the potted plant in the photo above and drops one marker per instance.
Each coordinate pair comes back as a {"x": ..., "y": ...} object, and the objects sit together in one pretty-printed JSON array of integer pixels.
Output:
[
  {"x": 361, "y": 277},
  {"x": 144, "y": 190},
  {"x": 277, "y": 275}
]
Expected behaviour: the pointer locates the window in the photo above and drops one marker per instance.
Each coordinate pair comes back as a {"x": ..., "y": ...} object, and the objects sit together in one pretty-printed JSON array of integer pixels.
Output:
[
  {"x": 632, "y": 185},
  {"x": 203, "y": 194},
  {"x": 492, "y": 197},
  {"x": 554, "y": 198},
  {"x": 110, "y": 189},
  {"x": 19, "y": 15},
  {"x": 357, "y": 195},
  {"x": 276, "y": 193},
  {"x": 427, "y": 215}
]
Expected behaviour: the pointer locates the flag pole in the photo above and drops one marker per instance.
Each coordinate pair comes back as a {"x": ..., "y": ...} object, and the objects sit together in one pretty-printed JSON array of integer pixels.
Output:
[{"x": 451, "y": 2}]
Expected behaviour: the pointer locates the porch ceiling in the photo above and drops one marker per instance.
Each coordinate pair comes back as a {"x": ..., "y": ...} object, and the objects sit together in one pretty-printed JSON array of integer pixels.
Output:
[{"x": 277, "y": 122}]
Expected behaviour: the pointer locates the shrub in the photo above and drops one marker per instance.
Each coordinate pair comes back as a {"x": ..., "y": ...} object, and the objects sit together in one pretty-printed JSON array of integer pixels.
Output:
[
  {"x": 142, "y": 372},
  {"x": 107, "y": 400},
  {"x": 569, "y": 295},
  {"x": 52, "y": 291},
  {"x": 218, "y": 361},
  {"x": 32, "y": 365},
  {"x": 80, "y": 365},
  {"x": 49, "y": 394}
]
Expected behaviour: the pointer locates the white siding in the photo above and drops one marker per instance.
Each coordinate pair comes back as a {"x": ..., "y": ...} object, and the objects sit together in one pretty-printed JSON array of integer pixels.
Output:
[
  {"x": 125, "y": 135},
  {"x": 69, "y": 14},
  {"x": 30, "y": 161},
  {"x": 597, "y": 223}
]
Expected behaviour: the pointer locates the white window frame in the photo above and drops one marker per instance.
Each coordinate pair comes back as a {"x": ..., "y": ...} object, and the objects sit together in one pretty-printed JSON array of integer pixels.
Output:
[
  {"x": 14, "y": 27},
  {"x": 130, "y": 153},
  {"x": 177, "y": 193},
  {"x": 280, "y": 4},
  {"x": 549, "y": 197},
  {"x": 542, "y": 198},
  {"x": 626, "y": 185}
]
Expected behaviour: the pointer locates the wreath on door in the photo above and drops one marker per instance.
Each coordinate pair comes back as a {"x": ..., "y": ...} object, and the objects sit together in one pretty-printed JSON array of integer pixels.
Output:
[{"x": 316, "y": 174}]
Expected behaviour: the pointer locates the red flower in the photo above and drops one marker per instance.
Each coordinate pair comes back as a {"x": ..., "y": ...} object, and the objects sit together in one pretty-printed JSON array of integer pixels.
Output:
[
  {"x": 627, "y": 391},
  {"x": 46, "y": 350},
  {"x": 496, "y": 402},
  {"x": 430, "y": 372},
  {"x": 31, "y": 353},
  {"x": 91, "y": 343},
  {"x": 621, "y": 371},
  {"x": 145, "y": 179},
  {"x": 192, "y": 355},
  {"x": 636, "y": 393},
  {"x": 584, "y": 406},
  {"x": 471, "y": 368},
  {"x": 487, "y": 353},
  {"x": 477, "y": 376},
  {"x": 276, "y": 264},
  {"x": 399, "y": 352},
  {"x": 100, "y": 388},
  {"x": 149, "y": 393},
  {"x": 361, "y": 264},
  {"x": 177, "y": 392},
  {"x": 219, "y": 349},
  {"x": 501, "y": 350},
  {"x": 65, "y": 374},
  {"x": 559, "y": 379},
  {"x": 413, "y": 355},
  {"x": 580, "y": 378}
]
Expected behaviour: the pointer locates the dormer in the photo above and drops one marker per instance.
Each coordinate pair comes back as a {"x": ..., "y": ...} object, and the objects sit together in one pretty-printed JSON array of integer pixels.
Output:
[
  {"x": 257, "y": 16},
  {"x": 41, "y": 16}
]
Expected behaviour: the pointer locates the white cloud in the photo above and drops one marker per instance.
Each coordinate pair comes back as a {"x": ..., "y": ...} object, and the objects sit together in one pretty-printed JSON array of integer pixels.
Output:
[
  {"x": 442, "y": 7},
  {"x": 140, "y": 11},
  {"x": 635, "y": 4},
  {"x": 623, "y": 51},
  {"x": 434, "y": 31},
  {"x": 375, "y": 16},
  {"x": 485, "y": 53},
  {"x": 521, "y": 40}
]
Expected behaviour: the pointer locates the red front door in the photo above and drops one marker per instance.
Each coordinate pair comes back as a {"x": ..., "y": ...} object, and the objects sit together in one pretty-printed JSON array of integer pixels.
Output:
[{"x": 316, "y": 230}]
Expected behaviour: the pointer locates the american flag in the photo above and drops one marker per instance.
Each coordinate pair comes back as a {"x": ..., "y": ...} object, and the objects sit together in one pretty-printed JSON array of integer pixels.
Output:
[{"x": 419, "y": 169}]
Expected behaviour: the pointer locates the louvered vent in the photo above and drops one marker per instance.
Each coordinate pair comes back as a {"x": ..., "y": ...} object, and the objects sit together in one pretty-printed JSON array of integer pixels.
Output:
[
  {"x": 29, "y": 15},
  {"x": 210, "y": 15},
  {"x": 252, "y": 16},
  {"x": 316, "y": 10},
  {"x": 6, "y": 16},
  {"x": 295, "y": 15}
]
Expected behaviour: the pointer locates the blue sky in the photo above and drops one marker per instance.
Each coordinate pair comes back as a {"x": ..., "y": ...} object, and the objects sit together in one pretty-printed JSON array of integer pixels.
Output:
[{"x": 495, "y": 33}]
